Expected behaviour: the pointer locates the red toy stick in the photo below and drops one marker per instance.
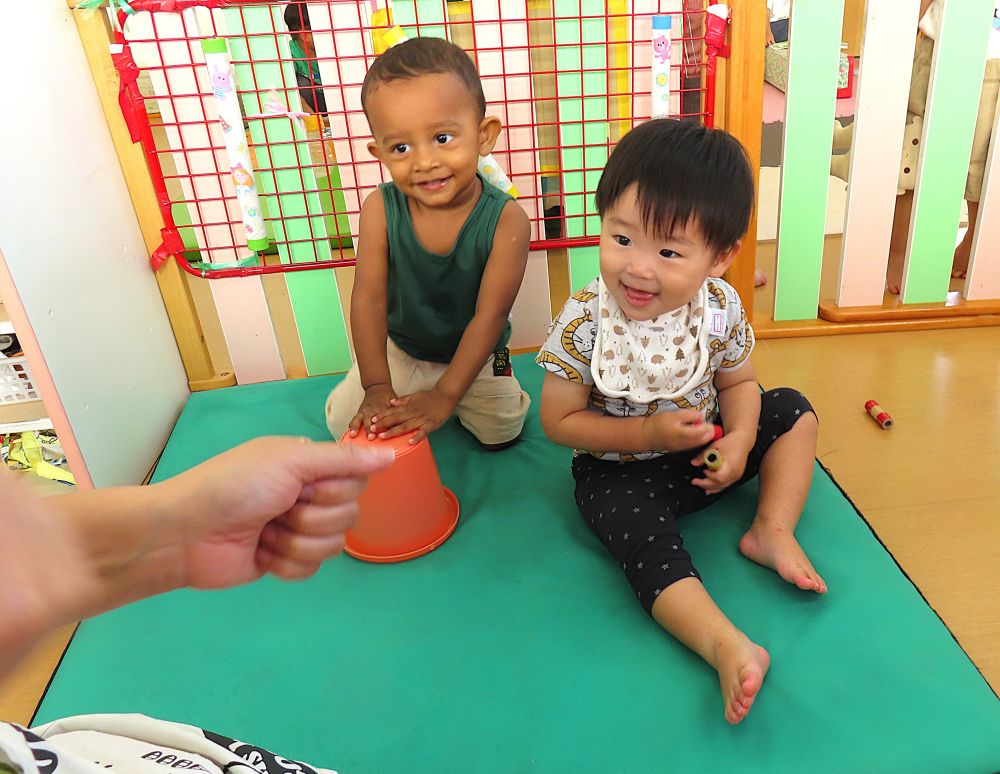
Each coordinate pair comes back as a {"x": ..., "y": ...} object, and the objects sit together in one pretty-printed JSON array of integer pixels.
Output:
[{"x": 879, "y": 414}]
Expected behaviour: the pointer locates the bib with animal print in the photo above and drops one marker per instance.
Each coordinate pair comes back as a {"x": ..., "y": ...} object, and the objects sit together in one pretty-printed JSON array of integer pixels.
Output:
[{"x": 646, "y": 360}]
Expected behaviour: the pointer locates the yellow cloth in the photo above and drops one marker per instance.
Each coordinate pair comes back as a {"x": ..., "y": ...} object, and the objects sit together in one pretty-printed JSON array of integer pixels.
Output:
[{"x": 28, "y": 452}]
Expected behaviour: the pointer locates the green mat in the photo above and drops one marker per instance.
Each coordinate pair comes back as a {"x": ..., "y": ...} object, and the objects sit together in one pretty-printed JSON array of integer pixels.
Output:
[{"x": 517, "y": 645}]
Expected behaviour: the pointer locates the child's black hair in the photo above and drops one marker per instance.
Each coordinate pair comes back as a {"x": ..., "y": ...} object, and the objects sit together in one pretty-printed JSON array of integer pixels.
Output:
[
  {"x": 683, "y": 172},
  {"x": 297, "y": 17},
  {"x": 423, "y": 56}
]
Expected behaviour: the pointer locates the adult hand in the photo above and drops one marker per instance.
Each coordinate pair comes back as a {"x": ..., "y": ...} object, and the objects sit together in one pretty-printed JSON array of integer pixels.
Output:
[
  {"x": 378, "y": 398},
  {"x": 673, "y": 431},
  {"x": 734, "y": 450},
  {"x": 273, "y": 505},
  {"x": 423, "y": 411}
]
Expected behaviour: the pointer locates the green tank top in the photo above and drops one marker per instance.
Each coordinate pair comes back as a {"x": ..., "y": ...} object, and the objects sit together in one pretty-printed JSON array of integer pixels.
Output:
[{"x": 432, "y": 297}]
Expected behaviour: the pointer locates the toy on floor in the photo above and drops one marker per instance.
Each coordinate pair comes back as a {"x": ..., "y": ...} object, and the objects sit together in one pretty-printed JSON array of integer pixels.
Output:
[
  {"x": 879, "y": 414},
  {"x": 405, "y": 511}
]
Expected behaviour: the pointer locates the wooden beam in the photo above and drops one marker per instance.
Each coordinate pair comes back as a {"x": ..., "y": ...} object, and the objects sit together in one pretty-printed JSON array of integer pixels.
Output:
[
  {"x": 770, "y": 329},
  {"x": 94, "y": 32},
  {"x": 744, "y": 105},
  {"x": 829, "y": 310}
]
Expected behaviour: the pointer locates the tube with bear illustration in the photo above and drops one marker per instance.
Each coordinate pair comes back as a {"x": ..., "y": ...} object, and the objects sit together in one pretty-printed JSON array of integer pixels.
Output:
[
  {"x": 223, "y": 83},
  {"x": 660, "y": 92}
]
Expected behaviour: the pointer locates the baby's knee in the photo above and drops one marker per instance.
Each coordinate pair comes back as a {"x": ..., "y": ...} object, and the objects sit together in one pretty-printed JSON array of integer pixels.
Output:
[
  {"x": 807, "y": 424},
  {"x": 788, "y": 406},
  {"x": 494, "y": 412},
  {"x": 655, "y": 568}
]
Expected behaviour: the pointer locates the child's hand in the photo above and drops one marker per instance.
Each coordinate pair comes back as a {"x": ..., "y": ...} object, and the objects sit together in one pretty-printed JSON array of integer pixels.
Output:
[
  {"x": 424, "y": 412},
  {"x": 734, "y": 450},
  {"x": 674, "y": 431},
  {"x": 378, "y": 398}
]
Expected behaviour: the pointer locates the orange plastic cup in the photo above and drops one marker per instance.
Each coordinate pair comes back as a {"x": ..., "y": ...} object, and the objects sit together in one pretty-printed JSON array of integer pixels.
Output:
[{"x": 405, "y": 511}]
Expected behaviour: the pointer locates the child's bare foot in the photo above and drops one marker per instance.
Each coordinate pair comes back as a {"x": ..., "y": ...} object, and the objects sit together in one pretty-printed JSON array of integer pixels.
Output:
[
  {"x": 742, "y": 665},
  {"x": 960, "y": 266},
  {"x": 777, "y": 548},
  {"x": 894, "y": 274}
]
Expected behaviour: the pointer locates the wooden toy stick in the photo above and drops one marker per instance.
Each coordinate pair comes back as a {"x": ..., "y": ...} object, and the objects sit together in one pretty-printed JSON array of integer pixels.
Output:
[
  {"x": 713, "y": 459},
  {"x": 879, "y": 414}
]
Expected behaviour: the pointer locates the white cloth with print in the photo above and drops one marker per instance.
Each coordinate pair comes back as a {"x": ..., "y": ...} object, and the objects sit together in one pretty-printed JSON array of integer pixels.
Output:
[
  {"x": 779, "y": 9},
  {"x": 930, "y": 23},
  {"x": 133, "y": 744},
  {"x": 647, "y": 360}
]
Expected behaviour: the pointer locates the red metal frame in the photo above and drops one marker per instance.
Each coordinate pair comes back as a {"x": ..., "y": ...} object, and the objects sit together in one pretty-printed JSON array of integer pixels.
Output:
[{"x": 137, "y": 115}]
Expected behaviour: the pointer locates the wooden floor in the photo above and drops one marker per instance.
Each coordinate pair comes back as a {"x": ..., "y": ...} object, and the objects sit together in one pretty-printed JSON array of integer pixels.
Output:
[{"x": 929, "y": 486}]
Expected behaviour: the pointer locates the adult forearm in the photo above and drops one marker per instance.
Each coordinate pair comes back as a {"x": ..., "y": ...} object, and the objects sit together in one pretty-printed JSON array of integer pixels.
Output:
[{"x": 130, "y": 537}]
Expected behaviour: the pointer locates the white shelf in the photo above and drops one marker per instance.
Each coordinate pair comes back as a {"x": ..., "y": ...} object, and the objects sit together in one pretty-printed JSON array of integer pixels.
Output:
[
  {"x": 6, "y": 326},
  {"x": 23, "y": 417},
  {"x": 27, "y": 427},
  {"x": 20, "y": 416}
]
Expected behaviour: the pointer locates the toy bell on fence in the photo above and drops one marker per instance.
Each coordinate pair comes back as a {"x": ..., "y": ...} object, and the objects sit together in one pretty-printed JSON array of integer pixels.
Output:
[{"x": 716, "y": 23}]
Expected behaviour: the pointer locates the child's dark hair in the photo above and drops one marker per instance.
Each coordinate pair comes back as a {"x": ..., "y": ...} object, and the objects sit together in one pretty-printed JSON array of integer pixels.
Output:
[
  {"x": 682, "y": 172},
  {"x": 297, "y": 16},
  {"x": 423, "y": 56}
]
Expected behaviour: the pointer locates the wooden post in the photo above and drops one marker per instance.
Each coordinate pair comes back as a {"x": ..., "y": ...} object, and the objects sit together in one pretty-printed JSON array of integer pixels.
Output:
[
  {"x": 743, "y": 100},
  {"x": 94, "y": 33}
]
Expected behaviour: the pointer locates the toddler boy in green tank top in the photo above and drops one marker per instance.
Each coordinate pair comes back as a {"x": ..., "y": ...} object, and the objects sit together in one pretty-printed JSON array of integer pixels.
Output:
[{"x": 440, "y": 259}]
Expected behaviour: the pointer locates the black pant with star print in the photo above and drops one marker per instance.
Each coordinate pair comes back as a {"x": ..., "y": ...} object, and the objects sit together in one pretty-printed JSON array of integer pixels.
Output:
[{"x": 633, "y": 507}]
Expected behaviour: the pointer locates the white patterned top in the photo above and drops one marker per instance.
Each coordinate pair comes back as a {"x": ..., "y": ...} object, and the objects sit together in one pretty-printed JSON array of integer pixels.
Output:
[{"x": 568, "y": 352}]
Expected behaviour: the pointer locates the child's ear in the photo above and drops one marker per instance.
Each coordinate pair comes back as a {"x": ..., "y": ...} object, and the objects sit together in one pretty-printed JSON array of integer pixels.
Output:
[
  {"x": 724, "y": 260},
  {"x": 375, "y": 150},
  {"x": 489, "y": 130}
]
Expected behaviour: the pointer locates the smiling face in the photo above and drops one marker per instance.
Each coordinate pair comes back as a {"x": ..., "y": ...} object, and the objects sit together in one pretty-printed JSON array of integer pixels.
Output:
[
  {"x": 429, "y": 135},
  {"x": 648, "y": 274}
]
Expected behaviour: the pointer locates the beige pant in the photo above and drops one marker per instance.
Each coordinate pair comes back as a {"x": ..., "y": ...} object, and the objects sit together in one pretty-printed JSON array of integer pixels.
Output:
[
  {"x": 919, "y": 83},
  {"x": 493, "y": 409}
]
